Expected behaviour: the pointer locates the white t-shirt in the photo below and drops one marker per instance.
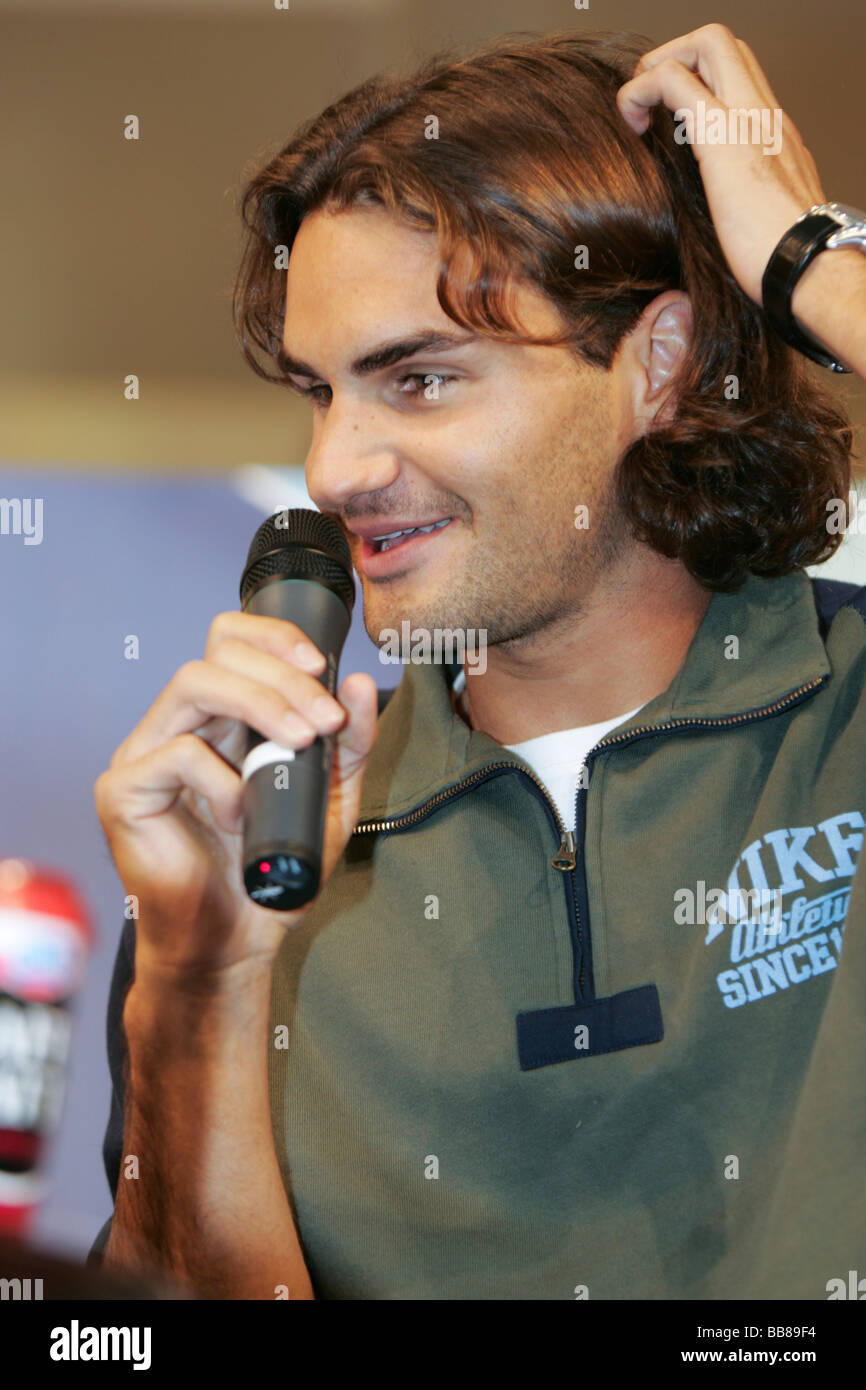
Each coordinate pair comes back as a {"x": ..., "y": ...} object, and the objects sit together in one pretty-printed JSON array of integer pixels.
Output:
[{"x": 558, "y": 758}]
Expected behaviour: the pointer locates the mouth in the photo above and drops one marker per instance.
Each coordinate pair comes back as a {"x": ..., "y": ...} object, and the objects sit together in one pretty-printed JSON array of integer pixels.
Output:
[
  {"x": 393, "y": 539},
  {"x": 379, "y": 552}
]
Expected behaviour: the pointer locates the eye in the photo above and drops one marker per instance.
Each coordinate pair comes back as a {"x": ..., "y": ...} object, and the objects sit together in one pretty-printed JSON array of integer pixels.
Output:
[
  {"x": 426, "y": 380},
  {"x": 315, "y": 394}
]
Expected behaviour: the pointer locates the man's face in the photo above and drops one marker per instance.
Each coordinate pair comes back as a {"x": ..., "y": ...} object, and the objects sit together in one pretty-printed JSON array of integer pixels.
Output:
[{"x": 505, "y": 447}]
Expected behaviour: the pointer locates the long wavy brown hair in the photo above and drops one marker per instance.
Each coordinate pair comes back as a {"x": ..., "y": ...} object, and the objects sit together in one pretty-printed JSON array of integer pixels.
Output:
[{"x": 530, "y": 160}]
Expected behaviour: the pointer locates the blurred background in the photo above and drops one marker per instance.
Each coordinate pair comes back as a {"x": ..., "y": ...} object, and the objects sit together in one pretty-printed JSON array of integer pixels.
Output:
[{"x": 118, "y": 257}]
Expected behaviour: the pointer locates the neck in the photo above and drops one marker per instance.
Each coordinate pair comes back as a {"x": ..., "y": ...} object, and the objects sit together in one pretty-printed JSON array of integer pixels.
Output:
[{"x": 624, "y": 648}]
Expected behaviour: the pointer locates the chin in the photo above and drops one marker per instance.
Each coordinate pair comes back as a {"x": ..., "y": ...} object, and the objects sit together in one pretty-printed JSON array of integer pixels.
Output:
[
  {"x": 379, "y": 615},
  {"x": 390, "y": 609}
]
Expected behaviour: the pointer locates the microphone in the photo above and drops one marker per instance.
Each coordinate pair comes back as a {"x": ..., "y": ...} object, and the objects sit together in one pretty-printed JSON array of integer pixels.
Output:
[{"x": 299, "y": 568}]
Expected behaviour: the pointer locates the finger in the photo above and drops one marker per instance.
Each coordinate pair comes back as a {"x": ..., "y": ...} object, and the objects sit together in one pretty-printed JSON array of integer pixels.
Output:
[
  {"x": 359, "y": 696},
  {"x": 304, "y": 693},
  {"x": 275, "y": 635},
  {"x": 150, "y": 785},
  {"x": 216, "y": 730},
  {"x": 671, "y": 83},
  {"x": 765, "y": 92},
  {"x": 715, "y": 55},
  {"x": 201, "y": 689},
  {"x": 227, "y": 737}
]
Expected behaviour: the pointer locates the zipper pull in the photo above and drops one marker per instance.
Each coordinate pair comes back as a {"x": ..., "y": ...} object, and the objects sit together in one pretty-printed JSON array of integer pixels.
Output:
[{"x": 564, "y": 859}]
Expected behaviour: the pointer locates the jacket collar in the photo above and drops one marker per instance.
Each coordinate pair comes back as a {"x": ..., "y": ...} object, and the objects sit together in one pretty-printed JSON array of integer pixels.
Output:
[{"x": 425, "y": 747}]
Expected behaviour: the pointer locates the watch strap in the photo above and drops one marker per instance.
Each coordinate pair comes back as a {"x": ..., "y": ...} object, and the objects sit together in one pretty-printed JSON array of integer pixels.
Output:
[{"x": 798, "y": 247}]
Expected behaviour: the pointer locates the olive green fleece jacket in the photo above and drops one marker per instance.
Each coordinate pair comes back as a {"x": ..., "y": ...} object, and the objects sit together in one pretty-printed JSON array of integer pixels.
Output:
[
  {"x": 506, "y": 1080},
  {"x": 508, "y": 1063}
]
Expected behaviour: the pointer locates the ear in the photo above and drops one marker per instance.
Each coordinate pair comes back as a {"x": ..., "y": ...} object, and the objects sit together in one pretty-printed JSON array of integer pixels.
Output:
[{"x": 659, "y": 341}]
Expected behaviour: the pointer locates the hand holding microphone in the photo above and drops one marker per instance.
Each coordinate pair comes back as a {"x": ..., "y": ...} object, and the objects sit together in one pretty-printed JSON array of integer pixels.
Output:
[
  {"x": 177, "y": 812},
  {"x": 299, "y": 568}
]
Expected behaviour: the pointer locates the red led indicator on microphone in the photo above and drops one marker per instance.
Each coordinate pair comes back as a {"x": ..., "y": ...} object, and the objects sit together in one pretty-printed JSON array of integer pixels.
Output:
[{"x": 265, "y": 867}]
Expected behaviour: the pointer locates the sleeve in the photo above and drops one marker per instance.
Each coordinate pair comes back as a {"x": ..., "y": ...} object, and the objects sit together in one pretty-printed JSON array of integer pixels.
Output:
[{"x": 112, "y": 1147}]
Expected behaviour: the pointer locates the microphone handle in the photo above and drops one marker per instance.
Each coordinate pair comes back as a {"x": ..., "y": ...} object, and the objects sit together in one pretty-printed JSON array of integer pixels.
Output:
[{"x": 285, "y": 798}]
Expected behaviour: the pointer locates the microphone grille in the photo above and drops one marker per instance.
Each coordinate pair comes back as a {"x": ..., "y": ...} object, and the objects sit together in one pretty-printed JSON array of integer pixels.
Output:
[
  {"x": 300, "y": 526},
  {"x": 295, "y": 543}
]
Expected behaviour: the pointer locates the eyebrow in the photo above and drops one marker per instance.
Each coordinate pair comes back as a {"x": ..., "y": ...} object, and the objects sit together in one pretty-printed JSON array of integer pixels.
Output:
[{"x": 385, "y": 354}]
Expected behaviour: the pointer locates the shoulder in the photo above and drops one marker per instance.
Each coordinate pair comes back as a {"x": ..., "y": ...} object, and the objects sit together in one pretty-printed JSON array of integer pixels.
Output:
[{"x": 831, "y": 595}]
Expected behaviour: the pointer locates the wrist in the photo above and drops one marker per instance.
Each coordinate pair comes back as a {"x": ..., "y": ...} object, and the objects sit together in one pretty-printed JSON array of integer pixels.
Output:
[
  {"x": 171, "y": 1016},
  {"x": 831, "y": 291},
  {"x": 200, "y": 982}
]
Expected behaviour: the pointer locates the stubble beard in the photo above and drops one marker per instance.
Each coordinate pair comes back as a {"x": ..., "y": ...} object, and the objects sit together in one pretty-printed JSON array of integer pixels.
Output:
[{"x": 514, "y": 592}]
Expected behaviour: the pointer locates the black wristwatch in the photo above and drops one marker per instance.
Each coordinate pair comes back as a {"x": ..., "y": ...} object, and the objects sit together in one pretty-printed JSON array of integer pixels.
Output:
[{"x": 825, "y": 227}]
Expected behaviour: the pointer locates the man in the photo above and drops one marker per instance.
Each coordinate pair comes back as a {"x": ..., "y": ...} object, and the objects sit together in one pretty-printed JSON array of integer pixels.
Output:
[{"x": 570, "y": 1017}]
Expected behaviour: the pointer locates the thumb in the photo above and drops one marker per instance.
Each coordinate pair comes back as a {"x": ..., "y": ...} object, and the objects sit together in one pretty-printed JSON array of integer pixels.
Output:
[{"x": 354, "y": 743}]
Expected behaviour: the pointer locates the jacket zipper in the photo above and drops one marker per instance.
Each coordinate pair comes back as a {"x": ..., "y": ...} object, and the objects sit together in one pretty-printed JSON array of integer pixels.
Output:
[{"x": 565, "y": 859}]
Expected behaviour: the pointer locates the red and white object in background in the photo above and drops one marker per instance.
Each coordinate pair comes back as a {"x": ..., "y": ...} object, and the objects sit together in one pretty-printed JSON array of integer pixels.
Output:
[{"x": 45, "y": 937}]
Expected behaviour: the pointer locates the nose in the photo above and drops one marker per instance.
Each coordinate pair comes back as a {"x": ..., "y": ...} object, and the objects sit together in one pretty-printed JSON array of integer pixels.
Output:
[{"x": 348, "y": 455}]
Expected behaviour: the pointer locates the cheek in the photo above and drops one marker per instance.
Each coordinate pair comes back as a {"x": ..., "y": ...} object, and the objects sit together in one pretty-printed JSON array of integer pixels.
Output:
[
  {"x": 491, "y": 458},
  {"x": 465, "y": 465}
]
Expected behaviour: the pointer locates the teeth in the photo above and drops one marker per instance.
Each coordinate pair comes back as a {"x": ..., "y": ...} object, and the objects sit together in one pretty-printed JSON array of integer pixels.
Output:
[{"x": 383, "y": 541}]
